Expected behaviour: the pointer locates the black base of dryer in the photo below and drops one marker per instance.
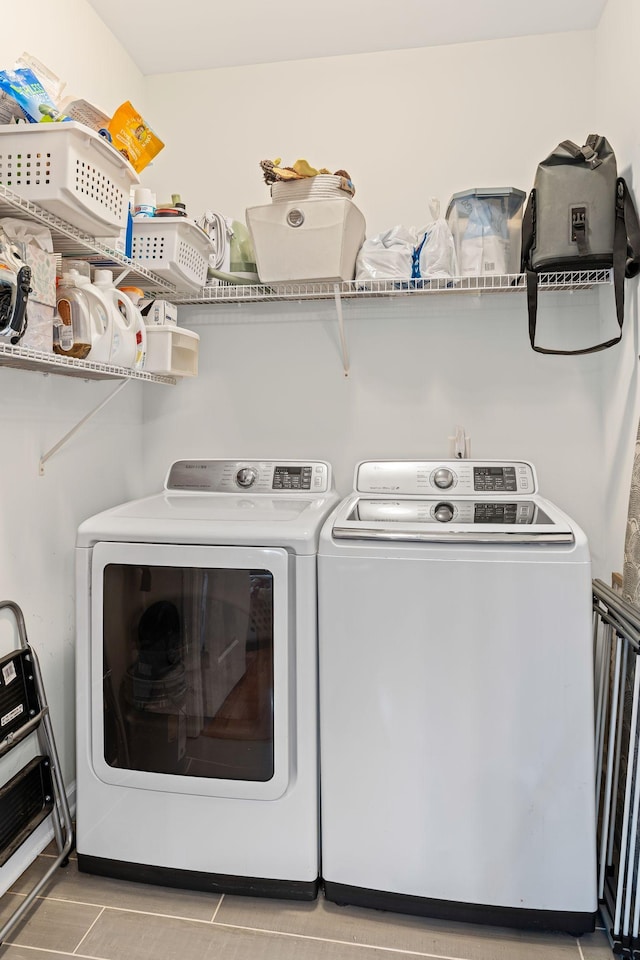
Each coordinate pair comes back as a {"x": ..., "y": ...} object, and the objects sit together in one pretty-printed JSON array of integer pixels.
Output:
[{"x": 197, "y": 880}]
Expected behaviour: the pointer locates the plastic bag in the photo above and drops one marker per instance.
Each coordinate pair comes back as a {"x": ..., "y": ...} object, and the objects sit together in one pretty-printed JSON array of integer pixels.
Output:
[
  {"x": 482, "y": 229},
  {"x": 436, "y": 253},
  {"x": 10, "y": 109},
  {"x": 23, "y": 85},
  {"x": 389, "y": 256},
  {"x": 34, "y": 242},
  {"x": 133, "y": 137}
]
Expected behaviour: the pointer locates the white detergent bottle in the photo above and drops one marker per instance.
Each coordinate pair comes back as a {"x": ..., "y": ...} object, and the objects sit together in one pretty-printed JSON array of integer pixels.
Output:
[
  {"x": 123, "y": 343},
  {"x": 135, "y": 294},
  {"x": 86, "y": 325}
]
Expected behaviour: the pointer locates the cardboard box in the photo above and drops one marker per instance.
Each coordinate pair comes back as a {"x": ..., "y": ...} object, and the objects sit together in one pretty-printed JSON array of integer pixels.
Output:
[{"x": 158, "y": 313}]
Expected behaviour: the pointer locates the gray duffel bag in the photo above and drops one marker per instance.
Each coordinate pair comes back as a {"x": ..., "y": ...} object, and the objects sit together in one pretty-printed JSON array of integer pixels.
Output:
[{"x": 579, "y": 216}]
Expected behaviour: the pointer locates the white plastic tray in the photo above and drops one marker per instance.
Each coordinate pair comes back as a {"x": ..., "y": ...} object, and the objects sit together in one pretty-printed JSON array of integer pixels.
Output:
[{"x": 172, "y": 351}]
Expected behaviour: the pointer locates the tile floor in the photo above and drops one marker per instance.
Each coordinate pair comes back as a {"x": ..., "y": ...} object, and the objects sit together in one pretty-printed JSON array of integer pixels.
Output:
[{"x": 84, "y": 916}]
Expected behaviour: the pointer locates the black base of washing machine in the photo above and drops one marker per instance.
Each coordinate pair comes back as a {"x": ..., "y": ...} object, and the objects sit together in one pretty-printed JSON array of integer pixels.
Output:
[
  {"x": 575, "y": 923},
  {"x": 197, "y": 880}
]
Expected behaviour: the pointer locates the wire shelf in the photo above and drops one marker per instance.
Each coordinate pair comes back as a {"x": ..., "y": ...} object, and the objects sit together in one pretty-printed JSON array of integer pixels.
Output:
[
  {"x": 364, "y": 289},
  {"x": 70, "y": 242},
  {"x": 24, "y": 358}
]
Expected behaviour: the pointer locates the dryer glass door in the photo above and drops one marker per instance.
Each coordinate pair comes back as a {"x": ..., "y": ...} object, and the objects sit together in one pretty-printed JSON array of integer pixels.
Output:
[{"x": 189, "y": 668}]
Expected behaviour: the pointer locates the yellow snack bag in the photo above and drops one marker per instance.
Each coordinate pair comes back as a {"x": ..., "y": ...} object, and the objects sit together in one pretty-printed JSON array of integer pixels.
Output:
[{"x": 133, "y": 137}]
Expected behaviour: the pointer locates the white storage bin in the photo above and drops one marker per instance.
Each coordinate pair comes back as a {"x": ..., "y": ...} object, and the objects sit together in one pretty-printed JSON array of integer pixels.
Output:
[
  {"x": 174, "y": 248},
  {"x": 172, "y": 351},
  {"x": 307, "y": 240},
  {"x": 69, "y": 170}
]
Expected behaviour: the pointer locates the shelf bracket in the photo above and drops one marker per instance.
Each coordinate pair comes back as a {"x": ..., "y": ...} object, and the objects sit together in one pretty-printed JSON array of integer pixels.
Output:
[
  {"x": 121, "y": 276},
  {"x": 343, "y": 340},
  {"x": 50, "y": 453}
]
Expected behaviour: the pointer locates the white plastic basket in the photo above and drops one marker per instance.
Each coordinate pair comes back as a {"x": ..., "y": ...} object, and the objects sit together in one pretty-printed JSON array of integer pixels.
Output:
[
  {"x": 324, "y": 186},
  {"x": 174, "y": 248},
  {"x": 69, "y": 170}
]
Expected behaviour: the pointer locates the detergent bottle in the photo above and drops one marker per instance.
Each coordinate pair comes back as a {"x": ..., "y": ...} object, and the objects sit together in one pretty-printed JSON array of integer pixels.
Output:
[
  {"x": 135, "y": 295},
  {"x": 84, "y": 327},
  {"x": 123, "y": 315}
]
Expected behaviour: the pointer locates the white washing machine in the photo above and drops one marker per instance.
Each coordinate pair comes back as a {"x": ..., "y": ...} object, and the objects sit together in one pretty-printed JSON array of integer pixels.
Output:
[
  {"x": 197, "y": 680},
  {"x": 456, "y": 698}
]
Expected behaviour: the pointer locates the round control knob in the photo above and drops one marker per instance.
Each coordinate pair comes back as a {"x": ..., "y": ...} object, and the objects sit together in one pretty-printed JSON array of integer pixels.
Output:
[
  {"x": 443, "y": 512},
  {"x": 246, "y": 477},
  {"x": 443, "y": 478}
]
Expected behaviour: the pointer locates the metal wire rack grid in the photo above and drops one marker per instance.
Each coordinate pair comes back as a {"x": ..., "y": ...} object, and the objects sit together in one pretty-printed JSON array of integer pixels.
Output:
[
  {"x": 69, "y": 242},
  {"x": 26, "y": 358},
  {"x": 364, "y": 289}
]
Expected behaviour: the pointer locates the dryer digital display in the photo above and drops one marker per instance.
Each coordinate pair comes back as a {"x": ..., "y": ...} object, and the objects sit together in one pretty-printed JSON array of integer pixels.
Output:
[{"x": 292, "y": 478}]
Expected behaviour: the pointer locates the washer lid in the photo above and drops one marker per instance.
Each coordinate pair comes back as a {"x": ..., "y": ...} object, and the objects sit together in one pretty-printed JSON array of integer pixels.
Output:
[{"x": 449, "y": 520}]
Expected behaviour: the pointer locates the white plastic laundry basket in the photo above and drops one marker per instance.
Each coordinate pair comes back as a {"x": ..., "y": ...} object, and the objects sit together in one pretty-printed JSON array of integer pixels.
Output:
[
  {"x": 174, "y": 248},
  {"x": 69, "y": 170}
]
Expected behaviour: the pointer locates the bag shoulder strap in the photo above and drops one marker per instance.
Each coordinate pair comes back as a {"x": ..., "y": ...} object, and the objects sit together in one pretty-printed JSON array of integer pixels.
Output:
[
  {"x": 532, "y": 307},
  {"x": 528, "y": 233},
  {"x": 626, "y": 263},
  {"x": 632, "y": 229},
  {"x": 626, "y": 244}
]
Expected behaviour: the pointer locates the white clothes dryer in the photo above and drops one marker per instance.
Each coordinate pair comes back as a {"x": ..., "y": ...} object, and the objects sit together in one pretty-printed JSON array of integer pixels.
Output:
[
  {"x": 456, "y": 698},
  {"x": 197, "y": 680}
]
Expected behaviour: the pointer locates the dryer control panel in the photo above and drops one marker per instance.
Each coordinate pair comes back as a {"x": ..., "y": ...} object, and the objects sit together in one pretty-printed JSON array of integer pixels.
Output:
[
  {"x": 435, "y": 477},
  {"x": 256, "y": 476}
]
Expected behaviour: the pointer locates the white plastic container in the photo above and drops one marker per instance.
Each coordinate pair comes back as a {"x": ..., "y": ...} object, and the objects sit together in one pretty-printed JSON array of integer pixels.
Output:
[
  {"x": 136, "y": 296},
  {"x": 123, "y": 340},
  {"x": 85, "y": 327},
  {"x": 144, "y": 202},
  {"x": 486, "y": 224},
  {"x": 69, "y": 170},
  {"x": 172, "y": 351},
  {"x": 174, "y": 248},
  {"x": 308, "y": 240}
]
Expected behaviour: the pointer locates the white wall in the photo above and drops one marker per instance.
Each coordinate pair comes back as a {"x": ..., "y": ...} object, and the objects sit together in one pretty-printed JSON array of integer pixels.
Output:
[
  {"x": 103, "y": 463},
  {"x": 406, "y": 125},
  {"x": 272, "y": 385},
  {"x": 71, "y": 40},
  {"x": 618, "y": 39}
]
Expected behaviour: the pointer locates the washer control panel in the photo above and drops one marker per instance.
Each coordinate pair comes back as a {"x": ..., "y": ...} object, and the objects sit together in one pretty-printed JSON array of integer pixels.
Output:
[
  {"x": 504, "y": 513},
  {"x": 437, "y": 477},
  {"x": 255, "y": 476}
]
